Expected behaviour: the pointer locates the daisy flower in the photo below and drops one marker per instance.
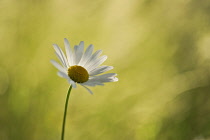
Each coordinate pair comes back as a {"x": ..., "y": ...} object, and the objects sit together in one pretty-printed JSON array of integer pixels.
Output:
[{"x": 82, "y": 67}]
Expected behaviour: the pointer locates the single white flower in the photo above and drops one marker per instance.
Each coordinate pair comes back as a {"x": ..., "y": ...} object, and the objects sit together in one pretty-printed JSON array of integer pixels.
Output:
[{"x": 81, "y": 67}]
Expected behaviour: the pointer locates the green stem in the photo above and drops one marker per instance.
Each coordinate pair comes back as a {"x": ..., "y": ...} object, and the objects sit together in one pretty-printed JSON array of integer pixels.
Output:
[{"x": 65, "y": 112}]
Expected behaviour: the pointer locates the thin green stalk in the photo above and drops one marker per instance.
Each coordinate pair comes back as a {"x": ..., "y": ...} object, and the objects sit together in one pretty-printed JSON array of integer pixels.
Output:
[{"x": 65, "y": 112}]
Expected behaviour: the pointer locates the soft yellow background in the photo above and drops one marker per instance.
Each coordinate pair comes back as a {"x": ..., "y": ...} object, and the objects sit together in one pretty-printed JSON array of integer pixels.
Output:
[{"x": 160, "y": 50}]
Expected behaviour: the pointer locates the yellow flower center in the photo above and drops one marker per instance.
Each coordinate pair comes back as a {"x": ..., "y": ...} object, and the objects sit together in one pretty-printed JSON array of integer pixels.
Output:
[{"x": 78, "y": 74}]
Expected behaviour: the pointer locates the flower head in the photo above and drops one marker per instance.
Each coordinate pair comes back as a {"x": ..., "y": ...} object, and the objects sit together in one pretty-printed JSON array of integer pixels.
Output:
[{"x": 82, "y": 67}]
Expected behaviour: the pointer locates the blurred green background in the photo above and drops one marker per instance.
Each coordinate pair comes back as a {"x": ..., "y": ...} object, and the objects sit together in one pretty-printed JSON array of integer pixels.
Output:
[{"x": 160, "y": 50}]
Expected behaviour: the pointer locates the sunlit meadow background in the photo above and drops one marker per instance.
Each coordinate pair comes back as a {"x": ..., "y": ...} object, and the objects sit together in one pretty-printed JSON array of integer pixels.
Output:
[{"x": 160, "y": 50}]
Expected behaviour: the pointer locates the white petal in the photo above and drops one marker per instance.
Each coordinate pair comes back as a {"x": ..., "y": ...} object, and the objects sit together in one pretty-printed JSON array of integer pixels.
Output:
[
  {"x": 72, "y": 83},
  {"x": 102, "y": 80},
  {"x": 100, "y": 70},
  {"x": 64, "y": 75},
  {"x": 86, "y": 55},
  {"x": 96, "y": 63},
  {"x": 88, "y": 84},
  {"x": 109, "y": 77},
  {"x": 107, "y": 80},
  {"x": 74, "y": 56},
  {"x": 61, "y": 60},
  {"x": 58, "y": 66},
  {"x": 81, "y": 44},
  {"x": 78, "y": 51},
  {"x": 87, "y": 89},
  {"x": 61, "y": 54},
  {"x": 115, "y": 79},
  {"x": 69, "y": 52},
  {"x": 92, "y": 83},
  {"x": 92, "y": 58}
]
